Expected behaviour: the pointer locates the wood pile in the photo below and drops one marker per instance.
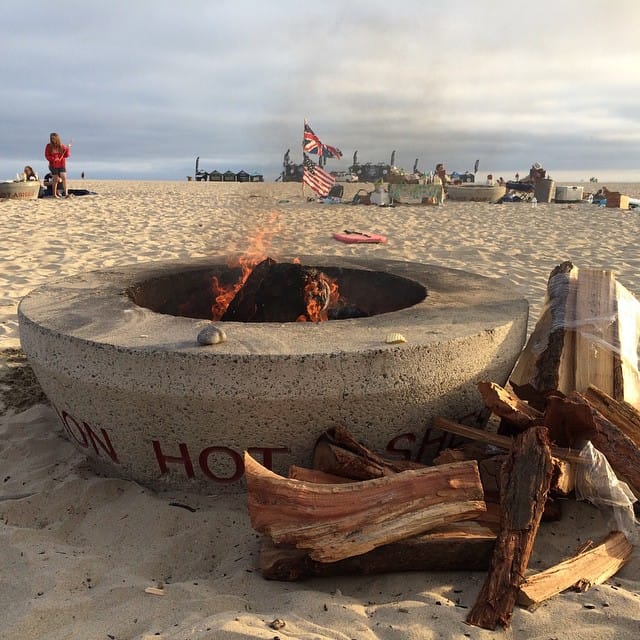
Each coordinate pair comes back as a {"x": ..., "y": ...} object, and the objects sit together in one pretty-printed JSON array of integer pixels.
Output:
[{"x": 478, "y": 506}]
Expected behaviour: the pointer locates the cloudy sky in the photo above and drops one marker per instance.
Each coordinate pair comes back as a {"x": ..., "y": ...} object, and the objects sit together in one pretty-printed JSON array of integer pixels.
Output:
[{"x": 143, "y": 87}]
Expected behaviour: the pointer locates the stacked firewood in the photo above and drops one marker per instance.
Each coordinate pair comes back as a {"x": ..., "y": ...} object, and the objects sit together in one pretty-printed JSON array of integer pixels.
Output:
[{"x": 478, "y": 506}]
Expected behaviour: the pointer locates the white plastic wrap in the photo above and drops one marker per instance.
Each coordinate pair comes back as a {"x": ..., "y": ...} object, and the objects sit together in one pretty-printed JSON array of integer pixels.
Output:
[
  {"x": 597, "y": 483},
  {"x": 587, "y": 334}
]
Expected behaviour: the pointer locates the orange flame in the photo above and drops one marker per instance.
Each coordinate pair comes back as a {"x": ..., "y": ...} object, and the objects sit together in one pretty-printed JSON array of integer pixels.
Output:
[
  {"x": 256, "y": 253},
  {"x": 320, "y": 294}
]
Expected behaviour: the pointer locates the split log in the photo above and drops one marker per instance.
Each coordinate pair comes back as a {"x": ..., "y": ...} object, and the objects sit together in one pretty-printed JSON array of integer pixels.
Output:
[
  {"x": 468, "y": 451},
  {"x": 597, "y": 342},
  {"x": 337, "y": 452},
  {"x": 465, "y": 546},
  {"x": 488, "y": 466},
  {"x": 587, "y": 335},
  {"x": 315, "y": 475},
  {"x": 564, "y": 477},
  {"x": 573, "y": 421},
  {"x": 579, "y": 572},
  {"x": 514, "y": 412},
  {"x": 524, "y": 492},
  {"x": 336, "y": 521},
  {"x": 624, "y": 415},
  {"x": 546, "y": 363},
  {"x": 497, "y": 440}
]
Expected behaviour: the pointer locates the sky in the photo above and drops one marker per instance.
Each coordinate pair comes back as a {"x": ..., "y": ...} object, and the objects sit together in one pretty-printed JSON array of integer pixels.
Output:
[{"x": 143, "y": 87}]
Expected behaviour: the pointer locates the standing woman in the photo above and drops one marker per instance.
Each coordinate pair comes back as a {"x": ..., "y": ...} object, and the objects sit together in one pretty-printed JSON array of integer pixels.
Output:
[{"x": 57, "y": 153}]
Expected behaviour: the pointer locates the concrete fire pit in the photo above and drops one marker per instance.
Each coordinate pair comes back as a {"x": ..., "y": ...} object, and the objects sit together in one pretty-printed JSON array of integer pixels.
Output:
[
  {"x": 19, "y": 190},
  {"x": 143, "y": 400}
]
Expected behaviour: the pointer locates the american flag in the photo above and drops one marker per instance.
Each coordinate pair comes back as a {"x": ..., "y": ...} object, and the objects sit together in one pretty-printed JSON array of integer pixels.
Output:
[
  {"x": 311, "y": 144},
  {"x": 317, "y": 178}
]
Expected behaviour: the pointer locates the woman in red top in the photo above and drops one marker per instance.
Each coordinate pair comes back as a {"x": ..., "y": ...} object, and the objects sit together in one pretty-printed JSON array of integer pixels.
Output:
[{"x": 57, "y": 153}]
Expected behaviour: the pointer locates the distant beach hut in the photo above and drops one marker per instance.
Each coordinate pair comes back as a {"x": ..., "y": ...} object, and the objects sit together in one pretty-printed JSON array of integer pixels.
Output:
[
  {"x": 242, "y": 176},
  {"x": 257, "y": 177},
  {"x": 228, "y": 176},
  {"x": 215, "y": 176}
]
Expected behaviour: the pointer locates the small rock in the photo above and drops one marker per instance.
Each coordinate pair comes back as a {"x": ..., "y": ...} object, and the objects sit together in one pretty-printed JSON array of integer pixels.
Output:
[{"x": 277, "y": 624}]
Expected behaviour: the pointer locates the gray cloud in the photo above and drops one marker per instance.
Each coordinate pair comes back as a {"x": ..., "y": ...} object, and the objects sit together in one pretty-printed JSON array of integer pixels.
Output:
[{"x": 145, "y": 88}]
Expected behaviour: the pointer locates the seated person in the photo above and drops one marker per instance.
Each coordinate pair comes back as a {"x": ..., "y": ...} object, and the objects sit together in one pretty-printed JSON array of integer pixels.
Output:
[
  {"x": 30, "y": 174},
  {"x": 48, "y": 189},
  {"x": 490, "y": 181},
  {"x": 48, "y": 185}
]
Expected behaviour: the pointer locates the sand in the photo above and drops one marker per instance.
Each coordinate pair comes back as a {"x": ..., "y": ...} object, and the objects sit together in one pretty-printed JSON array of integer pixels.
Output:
[{"x": 77, "y": 551}]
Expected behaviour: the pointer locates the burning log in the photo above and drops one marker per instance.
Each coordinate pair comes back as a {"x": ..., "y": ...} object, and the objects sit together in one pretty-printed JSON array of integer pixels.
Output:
[
  {"x": 580, "y": 572},
  {"x": 464, "y": 546},
  {"x": 337, "y": 521},
  {"x": 582, "y": 338},
  {"x": 282, "y": 292},
  {"x": 524, "y": 492}
]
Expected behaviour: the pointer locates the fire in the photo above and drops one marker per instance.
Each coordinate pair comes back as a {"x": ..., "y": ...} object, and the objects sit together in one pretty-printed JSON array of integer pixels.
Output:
[
  {"x": 256, "y": 253},
  {"x": 320, "y": 293}
]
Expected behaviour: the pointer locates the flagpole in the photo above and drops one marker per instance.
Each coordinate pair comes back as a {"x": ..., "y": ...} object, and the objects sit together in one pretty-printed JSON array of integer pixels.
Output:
[{"x": 305, "y": 122}]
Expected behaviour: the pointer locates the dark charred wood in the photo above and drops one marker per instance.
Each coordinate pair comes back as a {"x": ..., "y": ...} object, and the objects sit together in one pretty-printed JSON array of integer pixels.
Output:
[
  {"x": 244, "y": 304},
  {"x": 346, "y": 312},
  {"x": 279, "y": 292}
]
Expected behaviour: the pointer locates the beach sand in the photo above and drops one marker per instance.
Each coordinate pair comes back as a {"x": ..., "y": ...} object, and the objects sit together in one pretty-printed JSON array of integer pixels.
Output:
[{"x": 77, "y": 550}]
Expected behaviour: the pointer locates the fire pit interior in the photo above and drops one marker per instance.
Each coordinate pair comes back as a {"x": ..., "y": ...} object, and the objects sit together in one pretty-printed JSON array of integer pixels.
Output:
[
  {"x": 275, "y": 292},
  {"x": 118, "y": 354}
]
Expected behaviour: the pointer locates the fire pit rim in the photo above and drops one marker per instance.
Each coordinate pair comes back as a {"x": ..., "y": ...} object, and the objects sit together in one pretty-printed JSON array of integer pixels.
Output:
[{"x": 94, "y": 307}]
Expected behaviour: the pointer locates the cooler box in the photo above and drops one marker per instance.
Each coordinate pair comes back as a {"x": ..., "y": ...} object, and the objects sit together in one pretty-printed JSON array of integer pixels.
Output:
[
  {"x": 616, "y": 200},
  {"x": 545, "y": 190},
  {"x": 569, "y": 194}
]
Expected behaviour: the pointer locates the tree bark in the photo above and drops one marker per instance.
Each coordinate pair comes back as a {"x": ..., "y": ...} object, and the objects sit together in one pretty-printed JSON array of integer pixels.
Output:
[
  {"x": 527, "y": 481},
  {"x": 546, "y": 363},
  {"x": 463, "y": 546},
  {"x": 624, "y": 415},
  {"x": 573, "y": 420}
]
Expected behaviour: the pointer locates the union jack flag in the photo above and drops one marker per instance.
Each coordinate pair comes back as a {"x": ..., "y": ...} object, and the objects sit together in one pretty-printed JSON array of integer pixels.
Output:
[
  {"x": 312, "y": 144},
  {"x": 317, "y": 178}
]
